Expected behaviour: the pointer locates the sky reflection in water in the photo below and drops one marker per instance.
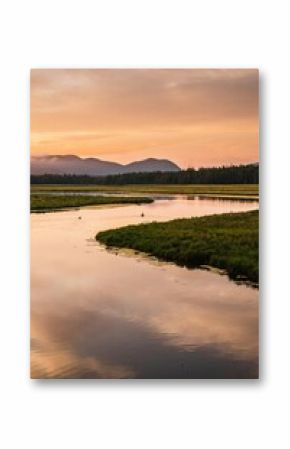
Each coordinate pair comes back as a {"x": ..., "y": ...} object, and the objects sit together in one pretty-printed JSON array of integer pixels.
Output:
[{"x": 96, "y": 314}]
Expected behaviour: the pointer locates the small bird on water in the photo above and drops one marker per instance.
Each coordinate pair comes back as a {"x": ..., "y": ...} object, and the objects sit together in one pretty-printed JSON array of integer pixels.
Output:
[
  {"x": 80, "y": 218},
  {"x": 142, "y": 215}
]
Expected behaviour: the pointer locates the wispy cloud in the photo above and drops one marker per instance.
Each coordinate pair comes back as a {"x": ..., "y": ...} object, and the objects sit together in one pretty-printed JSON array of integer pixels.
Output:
[{"x": 192, "y": 116}]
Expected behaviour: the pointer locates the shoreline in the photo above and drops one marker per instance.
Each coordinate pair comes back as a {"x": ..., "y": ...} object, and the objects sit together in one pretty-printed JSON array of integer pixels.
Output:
[
  {"x": 130, "y": 252},
  {"x": 227, "y": 242},
  {"x": 48, "y": 203}
]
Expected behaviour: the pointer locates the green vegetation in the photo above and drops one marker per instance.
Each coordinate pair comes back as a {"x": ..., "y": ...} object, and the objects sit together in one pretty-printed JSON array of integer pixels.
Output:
[
  {"x": 213, "y": 190},
  {"x": 227, "y": 241},
  {"x": 234, "y": 174},
  {"x": 53, "y": 202}
]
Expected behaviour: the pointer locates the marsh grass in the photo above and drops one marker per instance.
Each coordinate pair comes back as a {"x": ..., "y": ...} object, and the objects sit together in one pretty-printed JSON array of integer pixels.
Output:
[
  {"x": 228, "y": 241},
  {"x": 235, "y": 190},
  {"x": 54, "y": 202}
]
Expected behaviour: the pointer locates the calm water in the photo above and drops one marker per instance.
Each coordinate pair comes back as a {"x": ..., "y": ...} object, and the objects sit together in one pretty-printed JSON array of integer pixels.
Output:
[{"x": 98, "y": 314}]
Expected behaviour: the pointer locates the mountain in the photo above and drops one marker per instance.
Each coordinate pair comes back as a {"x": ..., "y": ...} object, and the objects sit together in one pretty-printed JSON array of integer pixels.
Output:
[{"x": 68, "y": 165}]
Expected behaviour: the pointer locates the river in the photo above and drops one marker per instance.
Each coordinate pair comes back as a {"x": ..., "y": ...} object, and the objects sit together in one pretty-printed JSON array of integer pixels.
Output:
[{"x": 101, "y": 314}]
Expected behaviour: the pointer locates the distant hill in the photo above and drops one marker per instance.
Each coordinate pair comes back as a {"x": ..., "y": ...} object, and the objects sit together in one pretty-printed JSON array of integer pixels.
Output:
[{"x": 74, "y": 165}]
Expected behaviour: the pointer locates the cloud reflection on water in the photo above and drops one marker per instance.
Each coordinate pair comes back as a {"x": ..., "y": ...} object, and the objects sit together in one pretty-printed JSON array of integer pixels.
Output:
[{"x": 101, "y": 315}]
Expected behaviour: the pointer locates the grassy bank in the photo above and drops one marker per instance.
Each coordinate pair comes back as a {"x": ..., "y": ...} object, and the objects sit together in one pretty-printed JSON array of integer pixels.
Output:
[
  {"x": 227, "y": 190},
  {"x": 53, "y": 202},
  {"x": 227, "y": 241}
]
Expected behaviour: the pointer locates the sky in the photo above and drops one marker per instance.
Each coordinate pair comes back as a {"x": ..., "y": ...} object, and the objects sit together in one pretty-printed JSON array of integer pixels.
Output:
[{"x": 194, "y": 117}]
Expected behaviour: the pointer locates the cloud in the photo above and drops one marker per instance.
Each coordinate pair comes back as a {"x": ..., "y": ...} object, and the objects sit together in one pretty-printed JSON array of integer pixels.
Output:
[{"x": 109, "y": 112}]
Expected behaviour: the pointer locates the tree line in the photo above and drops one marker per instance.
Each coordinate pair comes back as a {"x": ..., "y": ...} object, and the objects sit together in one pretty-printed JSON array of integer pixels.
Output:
[{"x": 234, "y": 174}]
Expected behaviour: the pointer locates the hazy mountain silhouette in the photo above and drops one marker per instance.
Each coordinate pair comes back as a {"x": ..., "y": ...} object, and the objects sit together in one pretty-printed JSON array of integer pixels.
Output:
[{"x": 95, "y": 167}]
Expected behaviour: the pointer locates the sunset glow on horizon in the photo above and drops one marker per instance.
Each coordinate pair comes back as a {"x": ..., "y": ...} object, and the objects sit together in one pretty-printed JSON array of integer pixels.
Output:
[{"x": 194, "y": 117}]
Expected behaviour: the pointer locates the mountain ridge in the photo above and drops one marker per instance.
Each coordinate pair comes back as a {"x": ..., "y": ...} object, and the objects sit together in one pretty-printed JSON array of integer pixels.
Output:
[{"x": 72, "y": 164}]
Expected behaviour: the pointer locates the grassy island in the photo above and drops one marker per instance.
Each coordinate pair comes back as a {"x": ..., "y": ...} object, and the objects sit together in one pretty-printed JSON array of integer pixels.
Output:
[
  {"x": 54, "y": 202},
  {"x": 227, "y": 241}
]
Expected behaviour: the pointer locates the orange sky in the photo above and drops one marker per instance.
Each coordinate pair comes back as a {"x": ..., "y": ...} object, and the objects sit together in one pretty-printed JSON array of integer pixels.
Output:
[{"x": 194, "y": 117}]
